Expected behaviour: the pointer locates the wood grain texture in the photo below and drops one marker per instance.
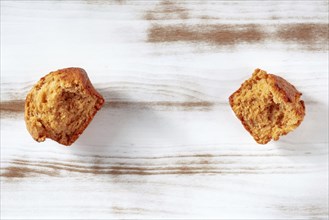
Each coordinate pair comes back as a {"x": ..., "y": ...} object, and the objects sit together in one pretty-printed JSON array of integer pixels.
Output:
[{"x": 166, "y": 144}]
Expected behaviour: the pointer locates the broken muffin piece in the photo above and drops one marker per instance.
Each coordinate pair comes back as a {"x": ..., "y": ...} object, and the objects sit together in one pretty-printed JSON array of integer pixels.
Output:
[
  {"x": 268, "y": 106},
  {"x": 61, "y": 105}
]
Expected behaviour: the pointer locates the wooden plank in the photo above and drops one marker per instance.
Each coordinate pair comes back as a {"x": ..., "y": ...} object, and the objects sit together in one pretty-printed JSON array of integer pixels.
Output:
[{"x": 166, "y": 144}]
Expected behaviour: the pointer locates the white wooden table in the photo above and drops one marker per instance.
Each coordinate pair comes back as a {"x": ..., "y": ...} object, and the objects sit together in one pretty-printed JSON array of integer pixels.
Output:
[{"x": 166, "y": 144}]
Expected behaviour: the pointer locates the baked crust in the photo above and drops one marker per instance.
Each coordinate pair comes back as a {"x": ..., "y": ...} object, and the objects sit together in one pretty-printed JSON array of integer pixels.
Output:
[
  {"x": 281, "y": 92},
  {"x": 53, "y": 105}
]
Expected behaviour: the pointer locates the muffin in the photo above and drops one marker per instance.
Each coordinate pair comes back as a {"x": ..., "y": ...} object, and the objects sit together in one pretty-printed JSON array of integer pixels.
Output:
[
  {"x": 268, "y": 106},
  {"x": 61, "y": 105}
]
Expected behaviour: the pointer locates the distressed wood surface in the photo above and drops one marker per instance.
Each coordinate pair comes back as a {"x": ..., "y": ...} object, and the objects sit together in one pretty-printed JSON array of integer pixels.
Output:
[{"x": 166, "y": 144}]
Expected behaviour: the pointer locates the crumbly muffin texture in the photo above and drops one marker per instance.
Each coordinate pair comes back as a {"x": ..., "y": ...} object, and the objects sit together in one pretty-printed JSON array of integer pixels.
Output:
[
  {"x": 268, "y": 106},
  {"x": 61, "y": 105}
]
